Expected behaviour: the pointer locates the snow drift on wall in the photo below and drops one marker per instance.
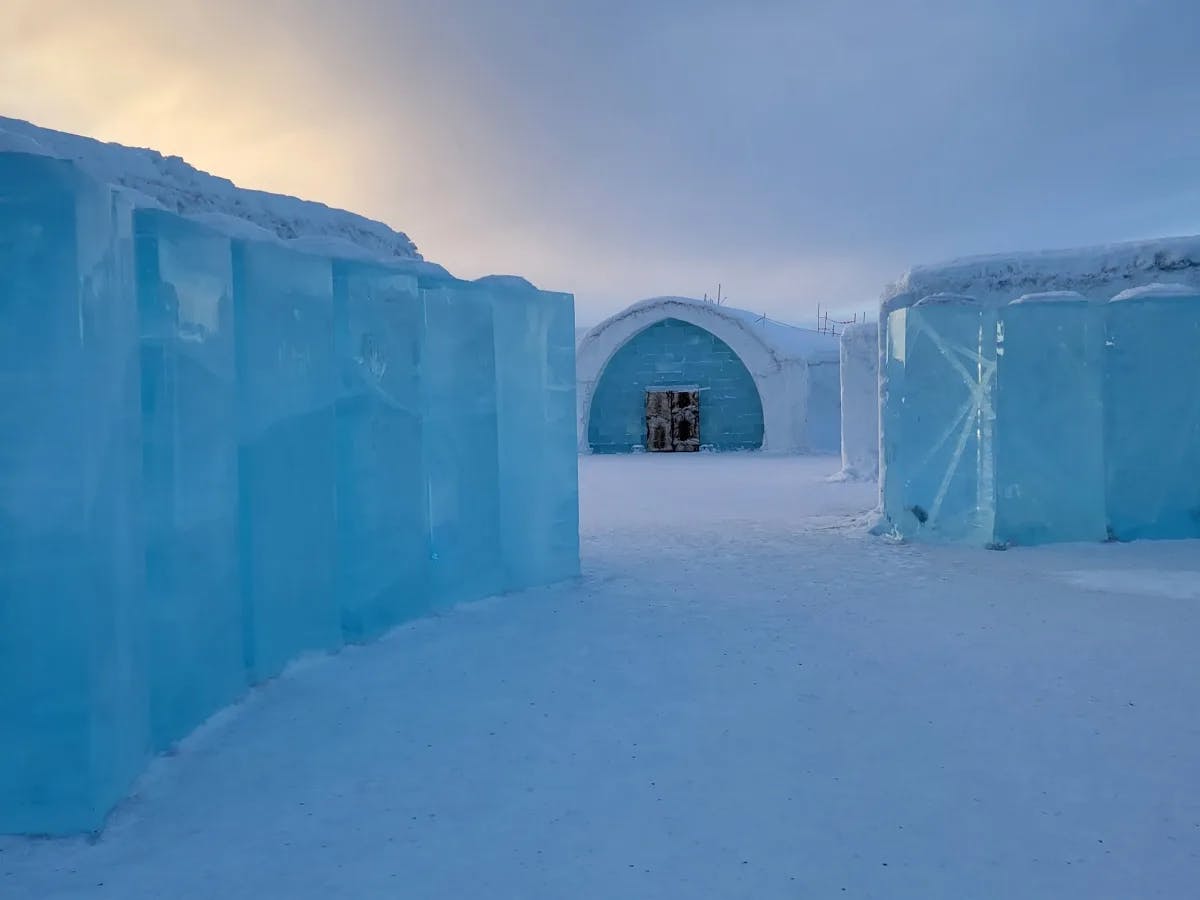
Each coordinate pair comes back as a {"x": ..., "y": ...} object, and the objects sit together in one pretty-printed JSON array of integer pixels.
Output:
[
  {"x": 1095, "y": 272},
  {"x": 172, "y": 184}
]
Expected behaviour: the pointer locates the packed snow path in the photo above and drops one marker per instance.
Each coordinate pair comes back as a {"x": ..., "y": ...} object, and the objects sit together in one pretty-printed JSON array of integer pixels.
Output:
[{"x": 744, "y": 697}]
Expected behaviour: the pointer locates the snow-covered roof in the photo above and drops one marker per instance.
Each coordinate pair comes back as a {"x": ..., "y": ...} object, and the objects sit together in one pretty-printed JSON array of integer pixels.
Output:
[
  {"x": 1157, "y": 290},
  {"x": 168, "y": 182},
  {"x": 1095, "y": 272},
  {"x": 784, "y": 341},
  {"x": 1051, "y": 297}
]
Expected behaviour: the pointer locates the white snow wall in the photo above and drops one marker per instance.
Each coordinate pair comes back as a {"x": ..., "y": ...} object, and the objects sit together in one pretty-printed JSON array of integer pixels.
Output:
[
  {"x": 860, "y": 401},
  {"x": 217, "y": 454}
]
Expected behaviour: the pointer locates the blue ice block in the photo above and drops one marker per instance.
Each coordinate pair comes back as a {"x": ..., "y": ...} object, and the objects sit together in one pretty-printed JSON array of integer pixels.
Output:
[
  {"x": 1049, "y": 421},
  {"x": 459, "y": 440},
  {"x": 190, "y": 487},
  {"x": 538, "y": 447},
  {"x": 1152, "y": 414},
  {"x": 73, "y": 696},
  {"x": 382, "y": 508},
  {"x": 287, "y": 389},
  {"x": 939, "y": 479},
  {"x": 892, "y": 474}
]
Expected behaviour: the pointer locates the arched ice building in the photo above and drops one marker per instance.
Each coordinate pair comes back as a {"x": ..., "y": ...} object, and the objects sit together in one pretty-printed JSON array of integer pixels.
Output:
[{"x": 672, "y": 373}]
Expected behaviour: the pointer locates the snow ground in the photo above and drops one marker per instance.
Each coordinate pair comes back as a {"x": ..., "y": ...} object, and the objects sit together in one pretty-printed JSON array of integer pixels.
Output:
[{"x": 744, "y": 697}]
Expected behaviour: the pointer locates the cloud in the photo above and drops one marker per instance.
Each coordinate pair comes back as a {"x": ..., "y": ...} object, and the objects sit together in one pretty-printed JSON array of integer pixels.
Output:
[{"x": 797, "y": 152}]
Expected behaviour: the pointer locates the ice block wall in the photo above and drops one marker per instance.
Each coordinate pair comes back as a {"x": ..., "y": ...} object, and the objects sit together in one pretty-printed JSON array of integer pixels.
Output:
[
  {"x": 287, "y": 384},
  {"x": 190, "y": 471},
  {"x": 1051, "y": 418},
  {"x": 1049, "y": 443},
  {"x": 859, "y": 373},
  {"x": 940, "y": 408},
  {"x": 217, "y": 454},
  {"x": 1152, "y": 413},
  {"x": 460, "y": 443},
  {"x": 535, "y": 389},
  {"x": 74, "y": 720},
  {"x": 382, "y": 508}
]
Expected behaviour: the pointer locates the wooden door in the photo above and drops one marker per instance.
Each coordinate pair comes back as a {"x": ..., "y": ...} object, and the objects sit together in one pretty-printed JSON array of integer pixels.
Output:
[
  {"x": 685, "y": 421},
  {"x": 673, "y": 420},
  {"x": 658, "y": 421}
]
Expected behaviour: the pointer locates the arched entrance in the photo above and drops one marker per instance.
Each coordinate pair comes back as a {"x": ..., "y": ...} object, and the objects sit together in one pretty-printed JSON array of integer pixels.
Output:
[{"x": 668, "y": 355}]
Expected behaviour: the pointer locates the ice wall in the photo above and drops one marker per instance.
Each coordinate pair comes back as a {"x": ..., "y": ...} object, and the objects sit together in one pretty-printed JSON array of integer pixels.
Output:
[
  {"x": 941, "y": 364},
  {"x": 1152, "y": 413},
  {"x": 189, "y": 471},
  {"x": 859, "y": 373},
  {"x": 217, "y": 454},
  {"x": 535, "y": 379},
  {"x": 74, "y": 716},
  {"x": 1050, "y": 418},
  {"x": 1049, "y": 442},
  {"x": 383, "y": 538}
]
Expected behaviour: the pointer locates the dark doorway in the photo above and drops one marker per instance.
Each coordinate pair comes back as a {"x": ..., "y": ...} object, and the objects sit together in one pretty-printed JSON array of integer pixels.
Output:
[{"x": 673, "y": 420}]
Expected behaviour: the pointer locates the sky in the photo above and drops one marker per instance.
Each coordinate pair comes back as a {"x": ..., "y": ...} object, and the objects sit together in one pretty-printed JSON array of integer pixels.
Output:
[{"x": 795, "y": 153}]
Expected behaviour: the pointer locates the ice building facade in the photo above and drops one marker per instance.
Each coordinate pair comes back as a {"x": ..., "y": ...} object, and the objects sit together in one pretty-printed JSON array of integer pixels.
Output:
[
  {"x": 859, "y": 371},
  {"x": 1044, "y": 398},
  {"x": 218, "y": 453},
  {"x": 673, "y": 373}
]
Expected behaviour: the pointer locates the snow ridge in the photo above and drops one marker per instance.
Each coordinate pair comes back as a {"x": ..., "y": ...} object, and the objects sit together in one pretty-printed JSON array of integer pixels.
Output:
[
  {"x": 171, "y": 183},
  {"x": 1095, "y": 272}
]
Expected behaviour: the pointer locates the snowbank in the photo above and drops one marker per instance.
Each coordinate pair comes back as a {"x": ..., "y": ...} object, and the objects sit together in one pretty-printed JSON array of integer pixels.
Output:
[
  {"x": 169, "y": 182},
  {"x": 1095, "y": 272}
]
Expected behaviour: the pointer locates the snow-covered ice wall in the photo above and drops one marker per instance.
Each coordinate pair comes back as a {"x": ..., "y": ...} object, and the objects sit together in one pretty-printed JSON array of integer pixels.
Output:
[
  {"x": 218, "y": 453},
  {"x": 860, "y": 401},
  {"x": 1053, "y": 416}
]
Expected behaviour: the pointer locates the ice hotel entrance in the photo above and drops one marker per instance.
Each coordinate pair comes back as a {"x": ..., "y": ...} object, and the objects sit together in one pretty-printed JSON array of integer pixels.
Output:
[
  {"x": 673, "y": 374},
  {"x": 673, "y": 419}
]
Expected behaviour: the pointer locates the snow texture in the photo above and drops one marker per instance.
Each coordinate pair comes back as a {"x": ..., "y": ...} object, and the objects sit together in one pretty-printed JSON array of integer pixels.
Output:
[
  {"x": 1052, "y": 297},
  {"x": 170, "y": 183},
  {"x": 217, "y": 454},
  {"x": 860, "y": 401},
  {"x": 1095, "y": 272},
  {"x": 744, "y": 696},
  {"x": 1156, "y": 290},
  {"x": 794, "y": 369}
]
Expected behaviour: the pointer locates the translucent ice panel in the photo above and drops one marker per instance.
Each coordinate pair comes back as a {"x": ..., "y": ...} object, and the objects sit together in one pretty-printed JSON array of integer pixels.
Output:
[
  {"x": 859, "y": 372},
  {"x": 458, "y": 375},
  {"x": 537, "y": 449},
  {"x": 1152, "y": 416},
  {"x": 823, "y": 415},
  {"x": 190, "y": 486},
  {"x": 287, "y": 385},
  {"x": 73, "y": 704},
  {"x": 939, "y": 411},
  {"x": 1049, "y": 412},
  {"x": 382, "y": 507}
]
